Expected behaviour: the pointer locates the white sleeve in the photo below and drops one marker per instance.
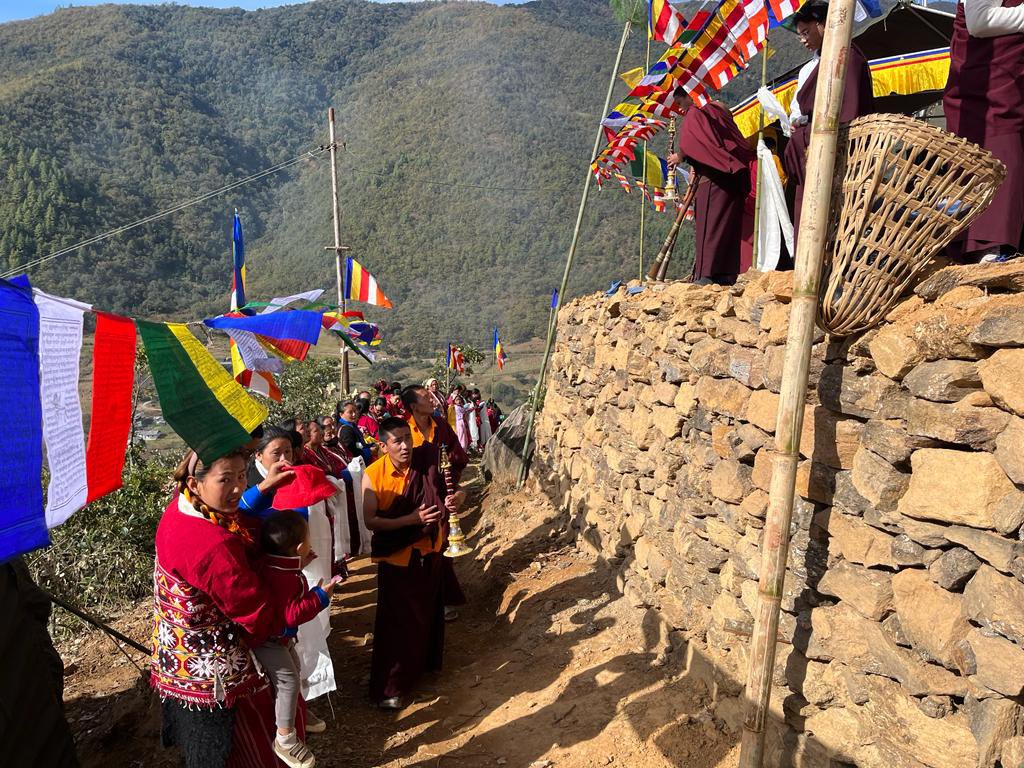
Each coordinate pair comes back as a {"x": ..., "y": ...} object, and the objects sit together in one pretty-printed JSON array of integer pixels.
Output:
[{"x": 987, "y": 18}]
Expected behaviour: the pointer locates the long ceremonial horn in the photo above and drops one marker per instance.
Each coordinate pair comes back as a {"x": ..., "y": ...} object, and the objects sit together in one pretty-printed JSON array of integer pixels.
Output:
[{"x": 660, "y": 267}]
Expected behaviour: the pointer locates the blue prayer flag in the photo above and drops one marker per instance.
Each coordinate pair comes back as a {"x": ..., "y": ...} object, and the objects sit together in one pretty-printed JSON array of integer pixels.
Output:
[
  {"x": 297, "y": 324},
  {"x": 22, "y": 523},
  {"x": 238, "y": 260},
  {"x": 554, "y": 298}
]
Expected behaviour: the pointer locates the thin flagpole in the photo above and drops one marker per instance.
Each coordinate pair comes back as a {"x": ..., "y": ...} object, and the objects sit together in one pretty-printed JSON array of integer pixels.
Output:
[
  {"x": 810, "y": 253},
  {"x": 568, "y": 260},
  {"x": 337, "y": 246},
  {"x": 643, "y": 177}
]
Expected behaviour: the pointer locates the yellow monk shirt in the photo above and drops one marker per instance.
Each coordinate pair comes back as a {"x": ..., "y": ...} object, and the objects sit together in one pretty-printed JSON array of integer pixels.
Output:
[
  {"x": 388, "y": 484},
  {"x": 418, "y": 437}
]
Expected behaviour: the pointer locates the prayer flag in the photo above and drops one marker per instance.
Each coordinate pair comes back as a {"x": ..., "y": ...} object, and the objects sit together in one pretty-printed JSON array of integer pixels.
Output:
[
  {"x": 259, "y": 381},
  {"x": 298, "y": 324},
  {"x": 360, "y": 285},
  {"x": 110, "y": 423},
  {"x": 632, "y": 76},
  {"x": 554, "y": 298},
  {"x": 238, "y": 259},
  {"x": 22, "y": 524},
  {"x": 499, "y": 352},
  {"x": 664, "y": 22},
  {"x": 60, "y": 347},
  {"x": 200, "y": 401},
  {"x": 782, "y": 9}
]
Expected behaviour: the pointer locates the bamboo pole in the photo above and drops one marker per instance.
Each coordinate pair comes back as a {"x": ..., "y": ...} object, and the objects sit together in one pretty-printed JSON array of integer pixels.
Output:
[
  {"x": 810, "y": 251},
  {"x": 568, "y": 261},
  {"x": 643, "y": 176},
  {"x": 765, "y": 52},
  {"x": 337, "y": 246}
]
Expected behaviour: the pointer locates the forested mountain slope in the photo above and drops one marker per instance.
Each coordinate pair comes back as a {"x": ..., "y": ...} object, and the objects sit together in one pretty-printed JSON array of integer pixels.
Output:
[{"x": 110, "y": 113}]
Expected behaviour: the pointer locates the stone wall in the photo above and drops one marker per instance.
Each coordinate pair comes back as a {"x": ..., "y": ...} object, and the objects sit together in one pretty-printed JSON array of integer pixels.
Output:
[{"x": 902, "y": 636}]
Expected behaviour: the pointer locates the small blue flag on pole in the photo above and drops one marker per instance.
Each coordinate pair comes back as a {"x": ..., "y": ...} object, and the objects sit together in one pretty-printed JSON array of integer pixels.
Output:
[
  {"x": 238, "y": 258},
  {"x": 554, "y": 298}
]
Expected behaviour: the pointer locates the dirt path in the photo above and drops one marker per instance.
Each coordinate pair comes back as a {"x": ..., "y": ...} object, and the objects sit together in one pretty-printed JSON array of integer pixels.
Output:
[{"x": 546, "y": 667}]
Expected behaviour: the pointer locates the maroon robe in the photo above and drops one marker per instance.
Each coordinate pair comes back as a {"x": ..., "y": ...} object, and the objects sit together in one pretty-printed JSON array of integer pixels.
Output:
[
  {"x": 858, "y": 100},
  {"x": 984, "y": 103},
  {"x": 710, "y": 141},
  {"x": 408, "y": 631}
]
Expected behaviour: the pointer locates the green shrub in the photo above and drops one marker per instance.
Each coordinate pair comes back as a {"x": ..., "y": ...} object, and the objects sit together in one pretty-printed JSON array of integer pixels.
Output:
[{"x": 102, "y": 558}]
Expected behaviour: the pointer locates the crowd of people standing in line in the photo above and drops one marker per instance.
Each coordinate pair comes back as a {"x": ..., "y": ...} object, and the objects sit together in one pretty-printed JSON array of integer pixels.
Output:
[
  {"x": 983, "y": 103},
  {"x": 238, "y": 577}
]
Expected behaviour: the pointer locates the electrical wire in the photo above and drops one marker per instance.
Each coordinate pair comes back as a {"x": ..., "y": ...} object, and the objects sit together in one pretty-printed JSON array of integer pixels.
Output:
[{"x": 167, "y": 211}]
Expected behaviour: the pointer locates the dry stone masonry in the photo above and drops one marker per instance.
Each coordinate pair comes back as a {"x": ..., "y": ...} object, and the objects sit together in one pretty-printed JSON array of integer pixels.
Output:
[{"x": 902, "y": 633}]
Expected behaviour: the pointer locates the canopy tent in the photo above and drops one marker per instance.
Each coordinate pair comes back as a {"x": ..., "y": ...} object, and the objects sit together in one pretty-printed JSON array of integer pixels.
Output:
[{"x": 908, "y": 51}]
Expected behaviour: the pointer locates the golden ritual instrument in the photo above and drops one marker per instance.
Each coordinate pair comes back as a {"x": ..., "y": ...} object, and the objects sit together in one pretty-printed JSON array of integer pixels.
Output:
[
  {"x": 670, "y": 178},
  {"x": 457, "y": 546}
]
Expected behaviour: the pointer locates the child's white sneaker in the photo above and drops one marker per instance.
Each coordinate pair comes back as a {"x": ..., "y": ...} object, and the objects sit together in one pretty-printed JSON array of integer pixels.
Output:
[{"x": 293, "y": 752}]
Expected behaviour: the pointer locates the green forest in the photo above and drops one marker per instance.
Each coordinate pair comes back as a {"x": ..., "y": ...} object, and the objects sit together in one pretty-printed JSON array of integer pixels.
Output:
[{"x": 466, "y": 127}]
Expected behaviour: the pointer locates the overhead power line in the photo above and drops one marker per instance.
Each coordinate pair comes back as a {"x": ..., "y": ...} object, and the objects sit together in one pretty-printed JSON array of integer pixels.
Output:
[{"x": 167, "y": 211}]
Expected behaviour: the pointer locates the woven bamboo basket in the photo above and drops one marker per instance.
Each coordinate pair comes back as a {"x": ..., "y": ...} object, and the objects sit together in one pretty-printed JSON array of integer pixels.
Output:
[{"x": 904, "y": 189}]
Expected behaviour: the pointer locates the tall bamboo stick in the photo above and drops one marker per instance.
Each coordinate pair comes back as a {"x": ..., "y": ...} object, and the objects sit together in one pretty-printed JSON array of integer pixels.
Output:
[
  {"x": 568, "y": 260},
  {"x": 643, "y": 177},
  {"x": 810, "y": 251}
]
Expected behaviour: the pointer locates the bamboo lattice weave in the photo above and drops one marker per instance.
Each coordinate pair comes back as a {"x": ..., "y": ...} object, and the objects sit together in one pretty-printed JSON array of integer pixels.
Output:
[{"x": 904, "y": 189}]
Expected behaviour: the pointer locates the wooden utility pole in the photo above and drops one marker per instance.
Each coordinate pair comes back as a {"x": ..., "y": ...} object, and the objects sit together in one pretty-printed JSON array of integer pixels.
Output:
[
  {"x": 553, "y": 324},
  {"x": 338, "y": 247},
  {"x": 810, "y": 252}
]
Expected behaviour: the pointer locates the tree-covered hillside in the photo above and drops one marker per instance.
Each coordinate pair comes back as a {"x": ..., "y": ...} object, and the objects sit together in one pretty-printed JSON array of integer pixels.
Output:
[{"x": 467, "y": 128}]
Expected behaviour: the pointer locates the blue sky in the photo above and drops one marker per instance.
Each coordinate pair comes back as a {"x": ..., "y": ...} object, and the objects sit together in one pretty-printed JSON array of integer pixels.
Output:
[{"x": 11, "y": 10}]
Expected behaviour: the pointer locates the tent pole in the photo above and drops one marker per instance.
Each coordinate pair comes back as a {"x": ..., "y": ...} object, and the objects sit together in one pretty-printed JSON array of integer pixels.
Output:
[
  {"x": 810, "y": 252},
  {"x": 523, "y": 470}
]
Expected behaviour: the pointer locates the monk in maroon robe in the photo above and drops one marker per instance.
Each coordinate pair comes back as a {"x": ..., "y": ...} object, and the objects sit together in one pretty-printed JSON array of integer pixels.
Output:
[
  {"x": 710, "y": 141},
  {"x": 984, "y": 103},
  {"x": 858, "y": 96},
  {"x": 406, "y": 503}
]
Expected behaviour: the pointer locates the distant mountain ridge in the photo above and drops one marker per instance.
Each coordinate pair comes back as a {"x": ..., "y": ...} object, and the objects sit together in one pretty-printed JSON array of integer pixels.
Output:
[{"x": 467, "y": 129}]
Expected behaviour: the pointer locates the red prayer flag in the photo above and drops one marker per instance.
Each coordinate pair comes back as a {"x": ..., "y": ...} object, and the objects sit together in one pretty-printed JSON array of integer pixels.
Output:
[{"x": 113, "y": 376}]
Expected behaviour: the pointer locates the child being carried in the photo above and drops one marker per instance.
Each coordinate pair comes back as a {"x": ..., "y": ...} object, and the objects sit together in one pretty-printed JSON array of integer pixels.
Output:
[{"x": 284, "y": 539}]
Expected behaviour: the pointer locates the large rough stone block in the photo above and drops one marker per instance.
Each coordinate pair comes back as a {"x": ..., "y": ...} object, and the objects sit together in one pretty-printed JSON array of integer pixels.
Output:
[
  {"x": 871, "y": 396},
  {"x": 839, "y": 633},
  {"x": 1010, "y": 450},
  {"x": 954, "y": 568},
  {"x": 991, "y": 661},
  {"x": 944, "y": 381},
  {"x": 710, "y": 357},
  {"x": 727, "y": 397},
  {"x": 938, "y": 492},
  {"x": 762, "y": 409},
  {"x": 1001, "y": 375},
  {"x": 996, "y": 550},
  {"x": 889, "y": 730},
  {"x": 889, "y": 439},
  {"x": 996, "y": 602},
  {"x": 960, "y": 423},
  {"x": 815, "y": 481},
  {"x": 828, "y": 438},
  {"x": 929, "y": 615},
  {"x": 877, "y": 480},
  {"x": 857, "y": 541},
  {"x": 747, "y": 366},
  {"x": 730, "y": 481},
  {"x": 869, "y": 591}
]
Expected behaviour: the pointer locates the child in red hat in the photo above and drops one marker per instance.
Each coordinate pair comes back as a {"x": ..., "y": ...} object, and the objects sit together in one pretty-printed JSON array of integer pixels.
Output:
[{"x": 284, "y": 539}]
